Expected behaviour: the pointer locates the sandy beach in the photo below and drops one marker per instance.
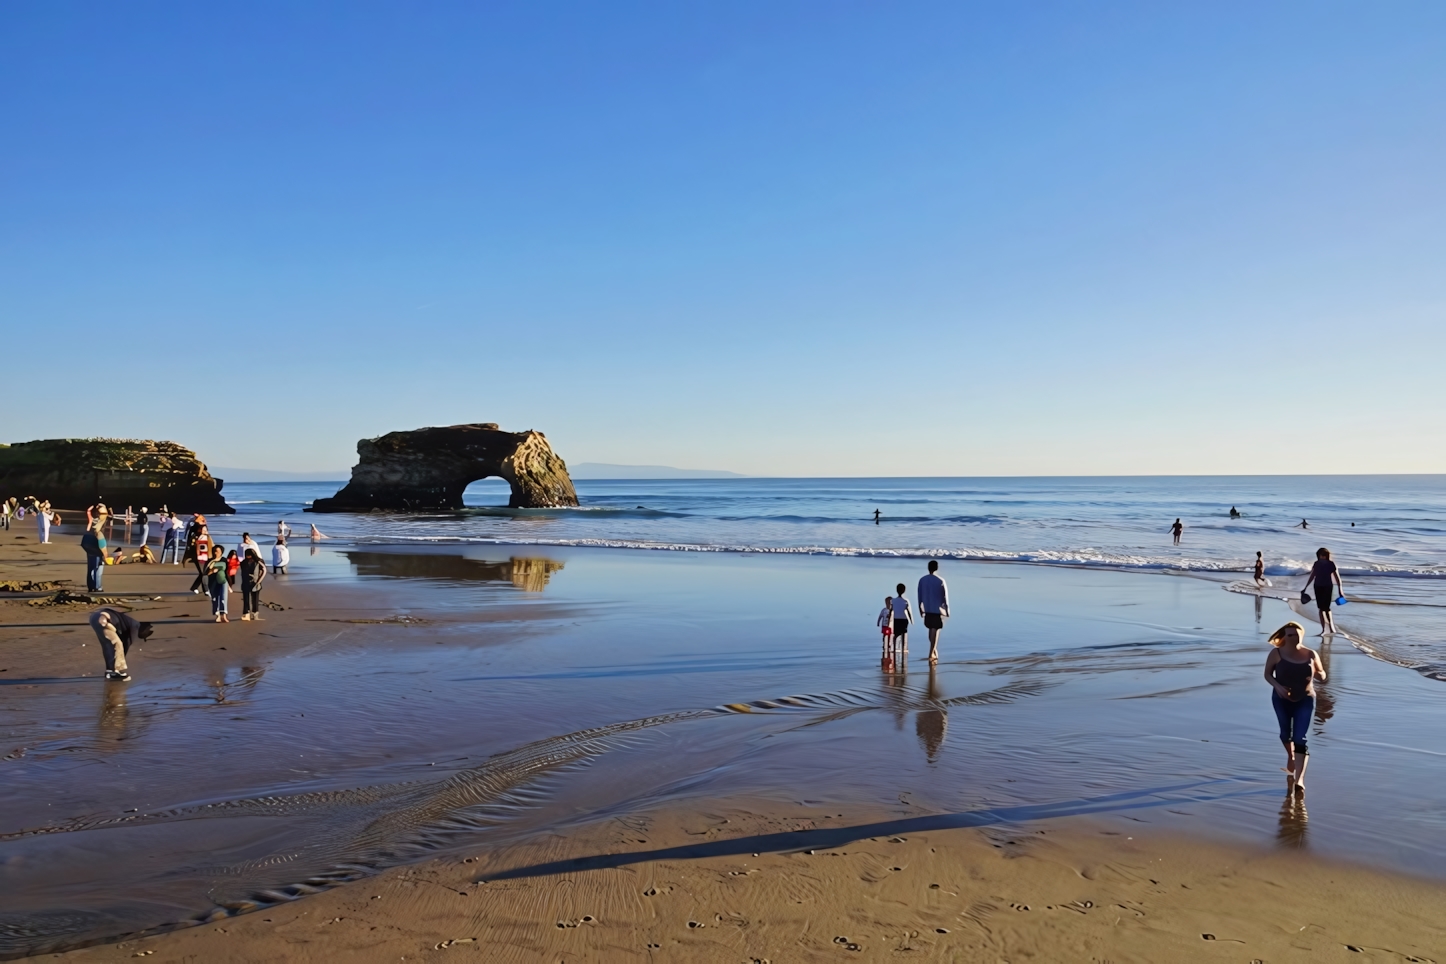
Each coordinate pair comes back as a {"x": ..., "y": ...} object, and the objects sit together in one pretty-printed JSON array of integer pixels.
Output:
[{"x": 591, "y": 847}]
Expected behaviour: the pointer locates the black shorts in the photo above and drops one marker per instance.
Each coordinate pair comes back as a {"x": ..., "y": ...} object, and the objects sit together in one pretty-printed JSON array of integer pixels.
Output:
[
  {"x": 1323, "y": 596},
  {"x": 901, "y": 627},
  {"x": 933, "y": 621}
]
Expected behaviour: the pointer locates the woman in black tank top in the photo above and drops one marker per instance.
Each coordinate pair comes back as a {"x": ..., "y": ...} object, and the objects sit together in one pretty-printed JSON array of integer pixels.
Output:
[{"x": 1291, "y": 669}]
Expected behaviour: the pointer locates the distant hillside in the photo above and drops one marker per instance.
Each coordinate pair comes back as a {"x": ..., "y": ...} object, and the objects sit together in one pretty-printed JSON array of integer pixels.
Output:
[
  {"x": 605, "y": 470},
  {"x": 267, "y": 475}
]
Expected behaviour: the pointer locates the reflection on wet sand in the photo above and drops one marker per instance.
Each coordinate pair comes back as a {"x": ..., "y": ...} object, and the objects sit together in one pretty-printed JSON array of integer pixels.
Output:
[
  {"x": 529, "y": 574},
  {"x": 930, "y": 724},
  {"x": 1325, "y": 704},
  {"x": 1293, "y": 831},
  {"x": 113, "y": 725}
]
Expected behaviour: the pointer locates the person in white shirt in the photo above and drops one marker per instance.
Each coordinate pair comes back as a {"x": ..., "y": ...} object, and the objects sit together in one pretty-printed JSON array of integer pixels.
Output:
[
  {"x": 170, "y": 538},
  {"x": 248, "y": 543},
  {"x": 902, "y": 618},
  {"x": 283, "y": 531},
  {"x": 934, "y": 604},
  {"x": 885, "y": 622},
  {"x": 280, "y": 556}
]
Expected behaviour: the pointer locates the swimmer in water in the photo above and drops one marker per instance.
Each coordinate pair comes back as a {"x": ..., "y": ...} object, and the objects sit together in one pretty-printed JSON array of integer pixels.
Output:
[
  {"x": 1234, "y": 512},
  {"x": 876, "y": 517},
  {"x": 1291, "y": 670},
  {"x": 1303, "y": 525}
]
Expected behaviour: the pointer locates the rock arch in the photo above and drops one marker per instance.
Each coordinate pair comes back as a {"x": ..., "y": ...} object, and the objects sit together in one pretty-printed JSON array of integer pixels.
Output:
[{"x": 430, "y": 467}]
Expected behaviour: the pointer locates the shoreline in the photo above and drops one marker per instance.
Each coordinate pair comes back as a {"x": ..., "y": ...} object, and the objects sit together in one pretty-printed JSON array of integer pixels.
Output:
[{"x": 856, "y": 896}]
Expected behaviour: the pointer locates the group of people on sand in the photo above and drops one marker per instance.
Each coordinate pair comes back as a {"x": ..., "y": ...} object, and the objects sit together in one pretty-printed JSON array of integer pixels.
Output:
[
  {"x": 897, "y": 616},
  {"x": 39, "y": 509}
]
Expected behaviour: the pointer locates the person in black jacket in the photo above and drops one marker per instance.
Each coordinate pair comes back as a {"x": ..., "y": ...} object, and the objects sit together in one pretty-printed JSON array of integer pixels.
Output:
[{"x": 253, "y": 573}]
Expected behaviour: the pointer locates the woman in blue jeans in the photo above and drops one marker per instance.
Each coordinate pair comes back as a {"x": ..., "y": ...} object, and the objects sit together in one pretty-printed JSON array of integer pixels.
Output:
[{"x": 1291, "y": 670}]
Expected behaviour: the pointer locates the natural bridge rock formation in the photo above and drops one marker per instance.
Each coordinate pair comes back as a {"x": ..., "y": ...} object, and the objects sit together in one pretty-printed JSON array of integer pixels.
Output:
[
  {"x": 73, "y": 473},
  {"x": 429, "y": 468}
]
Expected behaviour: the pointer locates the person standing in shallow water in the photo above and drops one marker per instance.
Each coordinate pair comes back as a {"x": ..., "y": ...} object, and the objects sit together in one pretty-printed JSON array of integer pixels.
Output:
[
  {"x": 934, "y": 604},
  {"x": 1291, "y": 670},
  {"x": 902, "y": 618},
  {"x": 1177, "y": 529}
]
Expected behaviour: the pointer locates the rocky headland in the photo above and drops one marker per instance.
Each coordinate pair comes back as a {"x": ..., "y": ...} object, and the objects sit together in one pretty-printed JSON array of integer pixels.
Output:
[
  {"x": 430, "y": 467},
  {"x": 72, "y": 473}
]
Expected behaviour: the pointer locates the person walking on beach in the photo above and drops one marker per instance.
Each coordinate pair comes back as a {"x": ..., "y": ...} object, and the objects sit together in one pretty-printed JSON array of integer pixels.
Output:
[
  {"x": 1326, "y": 579},
  {"x": 1177, "y": 528},
  {"x": 144, "y": 521},
  {"x": 885, "y": 622},
  {"x": 5, "y": 514},
  {"x": 902, "y": 618},
  {"x": 200, "y": 555},
  {"x": 1260, "y": 570},
  {"x": 169, "y": 534},
  {"x": 253, "y": 573},
  {"x": 934, "y": 604},
  {"x": 94, "y": 545},
  {"x": 117, "y": 631},
  {"x": 42, "y": 521},
  {"x": 280, "y": 556},
  {"x": 217, "y": 585},
  {"x": 1291, "y": 670}
]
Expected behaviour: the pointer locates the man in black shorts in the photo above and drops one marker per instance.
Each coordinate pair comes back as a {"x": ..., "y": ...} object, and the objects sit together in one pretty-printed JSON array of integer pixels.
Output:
[
  {"x": 934, "y": 604},
  {"x": 902, "y": 618}
]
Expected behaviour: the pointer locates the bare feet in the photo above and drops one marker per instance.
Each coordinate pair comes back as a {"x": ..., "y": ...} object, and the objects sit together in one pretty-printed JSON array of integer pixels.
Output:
[{"x": 225, "y": 619}]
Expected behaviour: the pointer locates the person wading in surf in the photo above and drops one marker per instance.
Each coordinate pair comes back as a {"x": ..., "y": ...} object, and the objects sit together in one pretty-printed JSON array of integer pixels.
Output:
[
  {"x": 1291, "y": 670},
  {"x": 1326, "y": 579},
  {"x": 1176, "y": 529},
  {"x": 934, "y": 604}
]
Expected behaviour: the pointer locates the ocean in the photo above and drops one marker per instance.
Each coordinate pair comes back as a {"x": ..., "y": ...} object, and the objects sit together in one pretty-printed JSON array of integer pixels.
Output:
[{"x": 1386, "y": 532}]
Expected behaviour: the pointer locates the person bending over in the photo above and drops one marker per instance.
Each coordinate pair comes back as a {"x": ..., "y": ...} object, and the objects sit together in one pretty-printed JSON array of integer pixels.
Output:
[{"x": 116, "y": 631}]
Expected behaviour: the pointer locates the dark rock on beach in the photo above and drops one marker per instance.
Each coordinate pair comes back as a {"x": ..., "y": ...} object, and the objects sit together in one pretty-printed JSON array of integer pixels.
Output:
[
  {"x": 73, "y": 473},
  {"x": 430, "y": 467}
]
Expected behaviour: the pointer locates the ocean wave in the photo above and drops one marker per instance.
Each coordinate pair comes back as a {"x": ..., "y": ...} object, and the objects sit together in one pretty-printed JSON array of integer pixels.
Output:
[{"x": 1082, "y": 557}]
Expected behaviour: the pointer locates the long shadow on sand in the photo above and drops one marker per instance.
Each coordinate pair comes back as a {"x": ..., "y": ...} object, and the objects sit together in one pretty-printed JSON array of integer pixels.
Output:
[{"x": 796, "y": 841}]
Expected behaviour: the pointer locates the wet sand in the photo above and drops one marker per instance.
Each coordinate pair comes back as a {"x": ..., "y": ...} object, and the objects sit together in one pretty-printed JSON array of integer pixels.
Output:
[
  {"x": 407, "y": 712},
  {"x": 769, "y": 880}
]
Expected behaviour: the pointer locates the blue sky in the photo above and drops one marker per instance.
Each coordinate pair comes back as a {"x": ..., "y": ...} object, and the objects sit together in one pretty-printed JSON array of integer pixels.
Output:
[{"x": 819, "y": 238}]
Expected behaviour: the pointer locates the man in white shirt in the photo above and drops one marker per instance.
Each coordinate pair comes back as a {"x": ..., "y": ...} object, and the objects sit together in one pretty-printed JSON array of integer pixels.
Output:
[{"x": 934, "y": 604}]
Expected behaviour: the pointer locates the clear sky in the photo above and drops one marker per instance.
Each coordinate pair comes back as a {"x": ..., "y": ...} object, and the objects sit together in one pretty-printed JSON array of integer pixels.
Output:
[{"x": 821, "y": 238}]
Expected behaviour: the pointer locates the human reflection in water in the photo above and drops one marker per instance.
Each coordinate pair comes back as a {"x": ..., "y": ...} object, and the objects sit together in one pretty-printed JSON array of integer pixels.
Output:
[
  {"x": 931, "y": 724},
  {"x": 113, "y": 725},
  {"x": 1293, "y": 831},
  {"x": 1259, "y": 599},
  {"x": 895, "y": 680},
  {"x": 1325, "y": 704}
]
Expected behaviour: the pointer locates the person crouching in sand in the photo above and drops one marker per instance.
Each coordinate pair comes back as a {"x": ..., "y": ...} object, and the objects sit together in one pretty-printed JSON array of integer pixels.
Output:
[
  {"x": 1291, "y": 670},
  {"x": 116, "y": 631}
]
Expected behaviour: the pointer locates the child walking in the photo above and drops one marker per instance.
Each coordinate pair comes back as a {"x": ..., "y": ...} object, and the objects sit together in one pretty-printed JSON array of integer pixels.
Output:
[
  {"x": 903, "y": 616},
  {"x": 885, "y": 622}
]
